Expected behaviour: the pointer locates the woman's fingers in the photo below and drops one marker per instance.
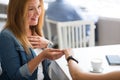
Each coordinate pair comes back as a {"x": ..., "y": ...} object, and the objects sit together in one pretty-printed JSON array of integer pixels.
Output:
[
  {"x": 33, "y": 39},
  {"x": 56, "y": 50},
  {"x": 53, "y": 53},
  {"x": 56, "y": 55},
  {"x": 38, "y": 42}
]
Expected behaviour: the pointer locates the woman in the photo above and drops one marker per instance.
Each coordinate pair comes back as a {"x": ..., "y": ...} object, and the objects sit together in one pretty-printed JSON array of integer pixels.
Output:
[
  {"x": 24, "y": 23},
  {"x": 77, "y": 74}
]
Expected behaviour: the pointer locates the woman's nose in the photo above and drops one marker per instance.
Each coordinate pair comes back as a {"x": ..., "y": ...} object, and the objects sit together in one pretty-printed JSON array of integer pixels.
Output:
[{"x": 38, "y": 11}]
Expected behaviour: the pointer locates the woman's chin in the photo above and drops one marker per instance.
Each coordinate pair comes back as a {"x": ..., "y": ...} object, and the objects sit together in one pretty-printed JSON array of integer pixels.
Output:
[{"x": 33, "y": 24}]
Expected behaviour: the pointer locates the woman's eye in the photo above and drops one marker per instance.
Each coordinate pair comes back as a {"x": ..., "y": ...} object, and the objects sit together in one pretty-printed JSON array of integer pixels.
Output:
[
  {"x": 31, "y": 9},
  {"x": 39, "y": 6}
]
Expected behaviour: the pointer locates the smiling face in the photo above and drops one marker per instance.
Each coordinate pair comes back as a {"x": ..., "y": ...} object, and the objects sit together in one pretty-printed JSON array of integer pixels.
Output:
[{"x": 34, "y": 11}]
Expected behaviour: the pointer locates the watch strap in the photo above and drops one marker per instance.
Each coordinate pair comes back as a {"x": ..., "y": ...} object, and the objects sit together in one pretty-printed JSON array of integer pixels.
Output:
[{"x": 71, "y": 58}]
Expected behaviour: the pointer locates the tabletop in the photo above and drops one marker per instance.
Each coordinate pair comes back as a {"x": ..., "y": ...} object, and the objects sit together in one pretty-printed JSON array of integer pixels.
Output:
[{"x": 85, "y": 55}]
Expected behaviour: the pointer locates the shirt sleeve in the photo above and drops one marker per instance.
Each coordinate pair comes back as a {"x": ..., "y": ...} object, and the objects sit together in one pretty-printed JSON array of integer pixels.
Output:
[{"x": 25, "y": 71}]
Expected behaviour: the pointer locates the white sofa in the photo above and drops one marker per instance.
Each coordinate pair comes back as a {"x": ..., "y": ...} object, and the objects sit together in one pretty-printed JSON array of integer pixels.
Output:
[{"x": 108, "y": 31}]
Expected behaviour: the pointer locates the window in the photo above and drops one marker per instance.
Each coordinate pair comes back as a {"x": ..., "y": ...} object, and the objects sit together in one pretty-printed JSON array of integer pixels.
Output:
[
  {"x": 4, "y": 1},
  {"x": 107, "y": 8}
]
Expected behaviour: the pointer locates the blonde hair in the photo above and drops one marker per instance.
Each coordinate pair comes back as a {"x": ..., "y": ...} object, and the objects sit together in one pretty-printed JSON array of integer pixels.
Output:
[{"x": 16, "y": 22}]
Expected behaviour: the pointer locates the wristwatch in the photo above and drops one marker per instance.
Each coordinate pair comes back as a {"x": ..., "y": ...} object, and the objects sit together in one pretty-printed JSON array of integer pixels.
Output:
[
  {"x": 50, "y": 45},
  {"x": 71, "y": 58}
]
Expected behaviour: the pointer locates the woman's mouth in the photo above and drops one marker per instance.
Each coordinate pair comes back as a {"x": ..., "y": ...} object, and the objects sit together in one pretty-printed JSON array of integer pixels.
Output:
[{"x": 34, "y": 19}]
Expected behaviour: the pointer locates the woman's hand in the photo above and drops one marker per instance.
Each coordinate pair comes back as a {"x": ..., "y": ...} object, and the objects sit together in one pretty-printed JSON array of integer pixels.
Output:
[
  {"x": 38, "y": 42},
  {"x": 52, "y": 54}
]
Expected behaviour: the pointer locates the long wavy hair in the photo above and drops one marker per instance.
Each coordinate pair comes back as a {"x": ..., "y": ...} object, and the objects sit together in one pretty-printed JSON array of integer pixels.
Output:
[{"x": 16, "y": 21}]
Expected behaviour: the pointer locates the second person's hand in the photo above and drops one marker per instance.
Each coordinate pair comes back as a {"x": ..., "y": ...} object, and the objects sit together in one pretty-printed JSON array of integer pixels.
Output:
[{"x": 68, "y": 52}]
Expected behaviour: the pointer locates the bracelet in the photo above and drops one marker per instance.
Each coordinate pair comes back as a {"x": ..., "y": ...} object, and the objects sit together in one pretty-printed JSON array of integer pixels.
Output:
[
  {"x": 71, "y": 58},
  {"x": 50, "y": 45}
]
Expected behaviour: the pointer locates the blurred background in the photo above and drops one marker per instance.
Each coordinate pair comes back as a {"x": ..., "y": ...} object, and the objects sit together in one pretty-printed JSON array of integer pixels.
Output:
[{"x": 105, "y": 14}]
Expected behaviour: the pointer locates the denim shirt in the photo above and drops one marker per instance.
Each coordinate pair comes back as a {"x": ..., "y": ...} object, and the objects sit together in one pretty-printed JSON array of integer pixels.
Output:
[{"x": 14, "y": 59}]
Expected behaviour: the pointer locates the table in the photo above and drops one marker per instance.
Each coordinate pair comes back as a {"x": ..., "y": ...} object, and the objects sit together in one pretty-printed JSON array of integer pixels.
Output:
[{"x": 84, "y": 56}]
